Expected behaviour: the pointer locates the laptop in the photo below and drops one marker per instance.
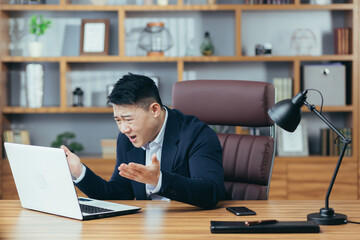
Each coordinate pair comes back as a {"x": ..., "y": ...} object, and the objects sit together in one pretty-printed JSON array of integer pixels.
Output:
[{"x": 44, "y": 183}]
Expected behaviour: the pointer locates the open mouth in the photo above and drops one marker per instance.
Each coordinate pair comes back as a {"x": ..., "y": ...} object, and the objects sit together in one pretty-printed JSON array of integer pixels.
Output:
[{"x": 132, "y": 138}]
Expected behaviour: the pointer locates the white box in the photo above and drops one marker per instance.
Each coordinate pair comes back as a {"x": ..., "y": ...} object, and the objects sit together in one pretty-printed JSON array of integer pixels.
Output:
[{"x": 329, "y": 80}]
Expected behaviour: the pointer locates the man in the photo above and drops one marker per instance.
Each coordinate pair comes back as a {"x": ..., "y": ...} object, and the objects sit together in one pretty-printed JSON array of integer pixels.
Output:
[{"x": 161, "y": 153}]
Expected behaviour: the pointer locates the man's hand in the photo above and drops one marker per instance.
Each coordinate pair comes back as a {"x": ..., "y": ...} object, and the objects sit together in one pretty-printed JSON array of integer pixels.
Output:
[
  {"x": 140, "y": 173},
  {"x": 74, "y": 162}
]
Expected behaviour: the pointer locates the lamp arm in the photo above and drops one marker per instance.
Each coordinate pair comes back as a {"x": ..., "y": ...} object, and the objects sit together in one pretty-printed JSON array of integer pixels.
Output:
[
  {"x": 314, "y": 110},
  {"x": 345, "y": 140}
]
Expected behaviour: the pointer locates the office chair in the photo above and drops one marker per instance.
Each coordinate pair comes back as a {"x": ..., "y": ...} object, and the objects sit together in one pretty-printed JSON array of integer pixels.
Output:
[{"x": 247, "y": 159}]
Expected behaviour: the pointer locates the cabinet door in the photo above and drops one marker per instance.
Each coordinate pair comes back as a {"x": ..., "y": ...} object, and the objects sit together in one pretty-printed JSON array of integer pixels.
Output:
[{"x": 310, "y": 179}]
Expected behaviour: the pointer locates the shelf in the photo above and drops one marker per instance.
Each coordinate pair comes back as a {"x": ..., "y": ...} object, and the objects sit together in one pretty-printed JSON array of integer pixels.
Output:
[
  {"x": 23, "y": 110},
  {"x": 309, "y": 159},
  {"x": 9, "y": 59},
  {"x": 348, "y": 108},
  {"x": 221, "y": 7},
  {"x": 298, "y": 7}
]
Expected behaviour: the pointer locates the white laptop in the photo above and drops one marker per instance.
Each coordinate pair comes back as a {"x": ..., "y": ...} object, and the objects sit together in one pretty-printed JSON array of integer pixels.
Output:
[{"x": 44, "y": 183}]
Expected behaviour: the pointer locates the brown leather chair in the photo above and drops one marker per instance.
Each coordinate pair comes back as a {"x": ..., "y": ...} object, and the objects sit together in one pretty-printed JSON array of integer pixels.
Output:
[{"x": 247, "y": 159}]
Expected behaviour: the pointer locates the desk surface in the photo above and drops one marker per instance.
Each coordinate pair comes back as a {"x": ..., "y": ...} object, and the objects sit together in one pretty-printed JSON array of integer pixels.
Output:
[{"x": 171, "y": 220}]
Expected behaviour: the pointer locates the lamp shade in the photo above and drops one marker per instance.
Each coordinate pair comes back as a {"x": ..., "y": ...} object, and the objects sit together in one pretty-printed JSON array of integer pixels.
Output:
[{"x": 287, "y": 113}]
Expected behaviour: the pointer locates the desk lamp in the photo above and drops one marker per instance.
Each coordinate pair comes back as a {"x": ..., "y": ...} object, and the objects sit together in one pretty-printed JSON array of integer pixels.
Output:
[{"x": 287, "y": 115}]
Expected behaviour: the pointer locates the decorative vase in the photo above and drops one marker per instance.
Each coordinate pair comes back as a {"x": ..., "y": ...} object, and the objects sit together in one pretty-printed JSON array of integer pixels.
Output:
[
  {"x": 35, "y": 49},
  {"x": 207, "y": 48},
  {"x": 34, "y": 73}
]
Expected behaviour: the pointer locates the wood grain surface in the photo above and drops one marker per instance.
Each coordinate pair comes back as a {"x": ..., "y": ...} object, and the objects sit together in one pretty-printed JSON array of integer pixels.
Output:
[{"x": 172, "y": 220}]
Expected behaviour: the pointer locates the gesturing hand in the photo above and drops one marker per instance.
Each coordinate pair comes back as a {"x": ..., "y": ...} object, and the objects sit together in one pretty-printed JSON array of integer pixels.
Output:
[
  {"x": 74, "y": 162},
  {"x": 140, "y": 173}
]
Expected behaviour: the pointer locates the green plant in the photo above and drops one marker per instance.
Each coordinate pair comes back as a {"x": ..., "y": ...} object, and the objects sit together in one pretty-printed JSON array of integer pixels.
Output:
[
  {"x": 38, "y": 26},
  {"x": 65, "y": 139}
]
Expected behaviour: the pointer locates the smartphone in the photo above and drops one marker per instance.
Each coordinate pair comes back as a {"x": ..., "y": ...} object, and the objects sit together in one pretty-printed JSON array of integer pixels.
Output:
[{"x": 241, "y": 211}]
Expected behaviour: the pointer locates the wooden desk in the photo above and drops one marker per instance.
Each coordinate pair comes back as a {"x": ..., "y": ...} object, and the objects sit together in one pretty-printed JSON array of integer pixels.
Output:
[{"x": 171, "y": 220}]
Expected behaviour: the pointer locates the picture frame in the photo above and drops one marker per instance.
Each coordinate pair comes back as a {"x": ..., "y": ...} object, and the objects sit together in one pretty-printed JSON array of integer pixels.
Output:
[
  {"x": 293, "y": 143},
  {"x": 94, "y": 38}
]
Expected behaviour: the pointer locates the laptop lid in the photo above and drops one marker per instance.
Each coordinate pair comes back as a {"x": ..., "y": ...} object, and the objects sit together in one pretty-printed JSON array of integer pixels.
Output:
[{"x": 44, "y": 183}]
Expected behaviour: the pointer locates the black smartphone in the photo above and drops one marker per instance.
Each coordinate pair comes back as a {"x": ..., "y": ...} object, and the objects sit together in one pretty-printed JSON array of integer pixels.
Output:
[{"x": 241, "y": 211}]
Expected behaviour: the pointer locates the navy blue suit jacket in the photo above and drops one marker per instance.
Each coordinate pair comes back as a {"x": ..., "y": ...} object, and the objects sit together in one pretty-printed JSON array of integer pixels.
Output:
[{"x": 191, "y": 166}]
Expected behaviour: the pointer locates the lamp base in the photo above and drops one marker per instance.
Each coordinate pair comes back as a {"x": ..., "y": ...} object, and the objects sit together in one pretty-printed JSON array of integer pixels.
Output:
[{"x": 327, "y": 216}]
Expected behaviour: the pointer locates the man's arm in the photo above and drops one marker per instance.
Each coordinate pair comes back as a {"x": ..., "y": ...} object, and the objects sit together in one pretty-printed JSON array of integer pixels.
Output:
[
  {"x": 203, "y": 161},
  {"x": 118, "y": 188}
]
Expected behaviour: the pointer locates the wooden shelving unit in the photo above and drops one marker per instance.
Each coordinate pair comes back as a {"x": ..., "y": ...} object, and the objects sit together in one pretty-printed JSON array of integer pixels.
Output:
[{"x": 293, "y": 177}]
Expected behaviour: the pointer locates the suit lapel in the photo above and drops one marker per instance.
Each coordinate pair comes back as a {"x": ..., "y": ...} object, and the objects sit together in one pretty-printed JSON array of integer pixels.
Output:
[
  {"x": 137, "y": 155},
  {"x": 170, "y": 143}
]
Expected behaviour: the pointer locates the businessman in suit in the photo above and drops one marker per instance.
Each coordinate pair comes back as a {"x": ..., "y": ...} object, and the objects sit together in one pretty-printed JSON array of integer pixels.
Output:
[{"x": 161, "y": 153}]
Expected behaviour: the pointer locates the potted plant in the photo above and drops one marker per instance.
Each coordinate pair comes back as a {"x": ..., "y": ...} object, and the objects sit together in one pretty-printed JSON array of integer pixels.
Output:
[
  {"x": 38, "y": 26},
  {"x": 66, "y": 139}
]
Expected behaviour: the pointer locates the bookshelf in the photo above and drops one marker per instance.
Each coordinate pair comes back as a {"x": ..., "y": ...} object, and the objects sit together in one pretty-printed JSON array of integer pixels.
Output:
[{"x": 233, "y": 62}]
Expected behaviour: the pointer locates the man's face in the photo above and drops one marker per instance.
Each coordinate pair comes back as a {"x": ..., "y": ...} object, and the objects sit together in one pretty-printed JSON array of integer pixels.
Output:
[{"x": 139, "y": 125}]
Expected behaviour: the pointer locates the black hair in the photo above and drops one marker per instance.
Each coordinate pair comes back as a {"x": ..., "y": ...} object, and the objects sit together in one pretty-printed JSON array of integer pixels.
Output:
[{"x": 133, "y": 89}]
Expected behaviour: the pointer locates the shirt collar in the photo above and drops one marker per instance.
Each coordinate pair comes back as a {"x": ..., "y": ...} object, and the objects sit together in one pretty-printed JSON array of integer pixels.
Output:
[{"x": 160, "y": 137}]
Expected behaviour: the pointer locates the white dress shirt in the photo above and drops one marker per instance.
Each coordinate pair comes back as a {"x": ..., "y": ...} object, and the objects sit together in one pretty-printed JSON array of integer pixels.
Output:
[{"x": 151, "y": 148}]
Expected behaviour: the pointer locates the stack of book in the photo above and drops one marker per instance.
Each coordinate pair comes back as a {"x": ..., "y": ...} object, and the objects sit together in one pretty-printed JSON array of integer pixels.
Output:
[
  {"x": 342, "y": 40},
  {"x": 331, "y": 144},
  {"x": 17, "y": 136},
  {"x": 108, "y": 148},
  {"x": 283, "y": 88}
]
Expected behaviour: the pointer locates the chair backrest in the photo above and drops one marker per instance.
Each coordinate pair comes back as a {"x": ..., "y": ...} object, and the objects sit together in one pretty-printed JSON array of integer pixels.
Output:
[{"x": 247, "y": 159}]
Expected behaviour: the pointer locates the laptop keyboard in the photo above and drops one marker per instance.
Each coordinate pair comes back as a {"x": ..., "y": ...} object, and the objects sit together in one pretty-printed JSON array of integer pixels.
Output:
[{"x": 92, "y": 209}]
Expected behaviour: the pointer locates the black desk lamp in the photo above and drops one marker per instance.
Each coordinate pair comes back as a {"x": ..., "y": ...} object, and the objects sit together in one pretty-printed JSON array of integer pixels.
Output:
[{"x": 287, "y": 114}]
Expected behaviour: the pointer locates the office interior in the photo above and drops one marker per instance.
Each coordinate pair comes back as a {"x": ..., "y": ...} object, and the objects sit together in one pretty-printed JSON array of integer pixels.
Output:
[{"x": 253, "y": 42}]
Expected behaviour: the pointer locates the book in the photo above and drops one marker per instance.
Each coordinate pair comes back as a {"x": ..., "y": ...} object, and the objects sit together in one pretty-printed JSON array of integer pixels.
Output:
[
  {"x": 342, "y": 40},
  {"x": 331, "y": 144},
  {"x": 283, "y": 88},
  {"x": 324, "y": 139},
  {"x": 17, "y": 136}
]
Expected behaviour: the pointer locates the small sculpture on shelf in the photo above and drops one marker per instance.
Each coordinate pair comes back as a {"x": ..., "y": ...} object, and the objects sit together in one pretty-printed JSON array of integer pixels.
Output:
[
  {"x": 78, "y": 97},
  {"x": 263, "y": 49},
  {"x": 303, "y": 41},
  {"x": 207, "y": 48},
  {"x": 66, "y": 140},
  {"x": 155, "y": 39},
  {"x": 38, "y": 26}
]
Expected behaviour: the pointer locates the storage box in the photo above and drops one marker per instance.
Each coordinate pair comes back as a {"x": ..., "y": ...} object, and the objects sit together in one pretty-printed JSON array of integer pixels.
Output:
[{"x": 329, "y": 80}]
